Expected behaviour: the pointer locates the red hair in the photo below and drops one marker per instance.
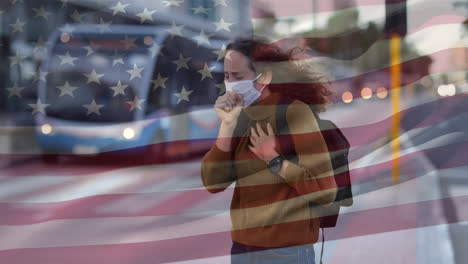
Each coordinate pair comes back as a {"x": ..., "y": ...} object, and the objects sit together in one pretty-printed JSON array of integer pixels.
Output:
[{"x": 307, "y": 85}]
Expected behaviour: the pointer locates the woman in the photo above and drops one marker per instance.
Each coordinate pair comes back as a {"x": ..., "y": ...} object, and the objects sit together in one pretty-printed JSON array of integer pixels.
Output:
[{"x": 271, "y": 218}]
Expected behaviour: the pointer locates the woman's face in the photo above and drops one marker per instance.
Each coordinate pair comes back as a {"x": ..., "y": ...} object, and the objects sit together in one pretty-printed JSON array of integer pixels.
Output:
[{"x": 236, "y": 67}]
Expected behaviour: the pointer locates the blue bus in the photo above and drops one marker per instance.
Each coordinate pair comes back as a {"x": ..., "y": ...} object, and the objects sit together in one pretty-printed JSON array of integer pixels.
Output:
[{"x": 125, "y": 89}]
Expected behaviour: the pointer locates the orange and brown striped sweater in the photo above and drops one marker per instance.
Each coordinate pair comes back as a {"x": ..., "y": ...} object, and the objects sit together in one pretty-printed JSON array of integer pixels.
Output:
[{"x": 267, "y": 210}]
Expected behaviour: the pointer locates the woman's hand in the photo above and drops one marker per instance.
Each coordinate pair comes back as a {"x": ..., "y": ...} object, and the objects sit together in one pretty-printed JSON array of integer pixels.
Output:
[
  {"x": 228, "y": 107},
  {"x": 263, "y": 145}
]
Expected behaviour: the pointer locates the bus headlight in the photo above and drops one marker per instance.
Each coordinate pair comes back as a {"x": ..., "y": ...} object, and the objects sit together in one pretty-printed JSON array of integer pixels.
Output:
[
  {"x": 46, "y": 129},
  {"x": 128, "y": 133}
]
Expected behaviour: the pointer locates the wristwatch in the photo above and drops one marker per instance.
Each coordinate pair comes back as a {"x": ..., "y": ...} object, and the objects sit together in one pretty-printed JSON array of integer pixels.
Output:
[{"x": 275, "y": 164}]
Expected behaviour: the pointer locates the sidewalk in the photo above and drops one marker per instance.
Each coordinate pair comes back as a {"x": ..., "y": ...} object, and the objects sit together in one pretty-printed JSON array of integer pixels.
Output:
[{"x": 419, "y": 239}]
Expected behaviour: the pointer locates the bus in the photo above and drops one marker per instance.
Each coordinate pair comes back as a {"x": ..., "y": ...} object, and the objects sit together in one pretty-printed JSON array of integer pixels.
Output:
[{"x": 126, "y": 89}]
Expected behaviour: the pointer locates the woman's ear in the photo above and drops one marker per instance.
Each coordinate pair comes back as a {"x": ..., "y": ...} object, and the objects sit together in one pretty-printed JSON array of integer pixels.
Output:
[{"x": 265, "y": 78}]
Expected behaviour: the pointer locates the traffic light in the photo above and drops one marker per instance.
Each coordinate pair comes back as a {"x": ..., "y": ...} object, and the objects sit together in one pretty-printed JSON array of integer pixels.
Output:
[{"x": 395, "y": 17}]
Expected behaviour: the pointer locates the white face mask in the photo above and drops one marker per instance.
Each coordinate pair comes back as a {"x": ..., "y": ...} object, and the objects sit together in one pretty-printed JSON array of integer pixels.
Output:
[{"x": 246, "y": 89}]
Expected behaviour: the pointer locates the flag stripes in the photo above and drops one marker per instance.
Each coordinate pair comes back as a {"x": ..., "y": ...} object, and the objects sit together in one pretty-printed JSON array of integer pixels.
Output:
[{"x": 214, "y": 243}]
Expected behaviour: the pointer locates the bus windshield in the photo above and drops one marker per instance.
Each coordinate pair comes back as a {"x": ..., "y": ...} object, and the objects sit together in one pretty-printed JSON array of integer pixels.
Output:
[{"x": 98, "y": 77}]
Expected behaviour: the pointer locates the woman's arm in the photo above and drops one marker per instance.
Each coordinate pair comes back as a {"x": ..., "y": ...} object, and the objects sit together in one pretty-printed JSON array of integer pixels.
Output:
[
  {"x": 224, "y": 140},
  {"x": 217, "y": 171},
  {"x": 313, "y": 176}
]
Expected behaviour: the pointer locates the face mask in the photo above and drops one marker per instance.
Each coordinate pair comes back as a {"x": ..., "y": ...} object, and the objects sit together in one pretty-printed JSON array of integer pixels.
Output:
[{"x": 246, "y": 89}]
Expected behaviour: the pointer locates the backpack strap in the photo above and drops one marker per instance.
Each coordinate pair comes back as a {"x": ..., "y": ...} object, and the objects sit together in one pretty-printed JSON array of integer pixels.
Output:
[
  {"x": 285, "y": 139},
  {"x": 286, "y": 143}
]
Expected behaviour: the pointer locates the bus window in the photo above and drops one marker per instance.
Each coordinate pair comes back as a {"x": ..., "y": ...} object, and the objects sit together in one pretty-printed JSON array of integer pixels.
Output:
[{"x": 104, "y": 71}]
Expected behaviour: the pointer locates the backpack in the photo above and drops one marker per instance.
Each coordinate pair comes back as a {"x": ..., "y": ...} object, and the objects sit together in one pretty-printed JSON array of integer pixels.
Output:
[{"x": 338, "y": 147}]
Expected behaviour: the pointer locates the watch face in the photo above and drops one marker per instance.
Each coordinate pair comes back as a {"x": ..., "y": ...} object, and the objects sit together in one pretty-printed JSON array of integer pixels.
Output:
[
  {"x": 275, "y": 164},
  {"x": 276, "y": 167}
]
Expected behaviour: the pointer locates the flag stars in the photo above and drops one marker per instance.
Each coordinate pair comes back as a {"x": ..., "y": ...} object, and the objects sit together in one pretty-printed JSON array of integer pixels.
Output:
[
  {"x": 159, "y": 82},
  {"x": 146, "y": 15},
  {"x": 93, "y": 77},
  {"x": 200, "y": 10},
  {"x": 222, "y": 25},
  {"x": 76, "y": 16},
  {"x": 206, "y": 71},
  {"x": 15, "y": 90},
  {"x": 38, "y": 107},
  {"x": 183, "y": 95},
  {"x": 119, "y": 8},
  {"x": 16, "y": 60},
  {"x": 119, "y": 89},
  {"x": 41, "y": 12},
  {"x": 18, "y": 26},
  {"x": 203, "y": 38},
  {"x": 136, "y": 103},
  {"x": 182, "y": 62},
  {"x": 89, "y": 50},
  {"x": 221, "y": 53},
  {"x": 93, "y": 108},
  {"x": 67, "y": 59},
  {"x": 104, "y": 26},
  {"x": 40, "y": 76},
  {"x": 66, "y": 89},
  {"x": 175, "y": 30},
  {"x": 172, "y": 3},
  {"x": 135, "y": 72},
  {"x": 116, "y": 59},
  {"x": 221, "y": 87}
]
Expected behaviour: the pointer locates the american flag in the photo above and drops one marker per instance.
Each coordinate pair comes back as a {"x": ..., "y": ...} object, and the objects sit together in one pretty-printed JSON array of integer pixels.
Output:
[{"x": 102, "y": 61}]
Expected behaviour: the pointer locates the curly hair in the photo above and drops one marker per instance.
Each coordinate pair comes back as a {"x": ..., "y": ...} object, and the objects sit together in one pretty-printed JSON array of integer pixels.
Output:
[{"x": 293, "y": 74}]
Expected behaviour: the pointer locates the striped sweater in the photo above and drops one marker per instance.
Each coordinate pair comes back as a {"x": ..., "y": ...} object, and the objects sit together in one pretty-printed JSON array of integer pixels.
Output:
[{"x": 267, "y": 210}]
